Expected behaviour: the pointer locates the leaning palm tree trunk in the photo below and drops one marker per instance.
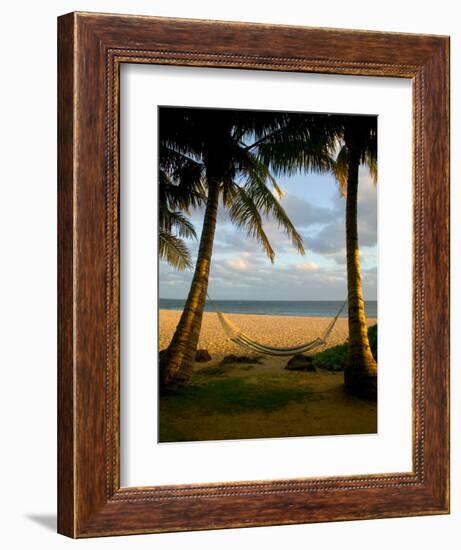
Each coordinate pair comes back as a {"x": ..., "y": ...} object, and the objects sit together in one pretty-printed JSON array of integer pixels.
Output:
[
  {"x": 360, "y": 373},
  {"x": 177, "y": 362}
]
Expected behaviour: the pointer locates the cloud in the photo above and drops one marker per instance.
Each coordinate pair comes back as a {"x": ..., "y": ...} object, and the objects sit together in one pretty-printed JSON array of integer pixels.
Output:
[
  {"x": 262, "y": 280},
  {"x": 330, "y": 240},
  {"x": 241, "y": 270},
  {"x": 239, "y": 264},
  {"x": 307, "y": 266},
  {"x": 303, "y": 214}
]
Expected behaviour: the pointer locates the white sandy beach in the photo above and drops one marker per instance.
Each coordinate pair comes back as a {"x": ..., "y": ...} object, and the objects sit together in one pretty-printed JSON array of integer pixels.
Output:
[
  {"x": 273, "y": 330},
  {"x": 245, "y": 400}
]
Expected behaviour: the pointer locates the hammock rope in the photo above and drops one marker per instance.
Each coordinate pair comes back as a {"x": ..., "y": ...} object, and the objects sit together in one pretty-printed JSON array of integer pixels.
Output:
[{"x": 237, "y": 336}]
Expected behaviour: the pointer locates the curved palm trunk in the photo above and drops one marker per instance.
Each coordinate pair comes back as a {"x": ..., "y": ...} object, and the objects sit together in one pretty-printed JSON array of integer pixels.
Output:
[
  {"x": 177, "y": 362},
  {"x": 360, "y": 374}
]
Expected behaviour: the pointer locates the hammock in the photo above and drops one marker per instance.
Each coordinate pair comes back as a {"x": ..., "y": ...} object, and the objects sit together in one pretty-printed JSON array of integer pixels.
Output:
[{"x": 236, "y": 335}]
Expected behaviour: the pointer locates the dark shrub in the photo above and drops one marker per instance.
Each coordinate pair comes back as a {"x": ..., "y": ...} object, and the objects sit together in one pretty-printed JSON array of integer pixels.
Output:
[{"x": 334, "y": 358}]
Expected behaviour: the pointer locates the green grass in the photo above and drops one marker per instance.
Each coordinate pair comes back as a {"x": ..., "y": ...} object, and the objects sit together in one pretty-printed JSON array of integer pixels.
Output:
[
  {"x": 236, "y": 395},
  {"x": 373, "y": 339},
  {"x": 242, "y": 360},
  {"x": 217, "y": 370},
  {"x": 228, "y": 397},
  {"x": 334, "y": 358},
  {"x": 247, "y": 367},
  {"x": 224, "y": 402},
  {"x": 227, "y": 364}
]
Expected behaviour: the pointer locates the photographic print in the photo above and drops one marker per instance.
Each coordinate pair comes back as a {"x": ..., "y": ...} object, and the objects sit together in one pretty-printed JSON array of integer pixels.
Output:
[
  {"x": 268, "y": 274},
  {"x": 218, "y": 275}
]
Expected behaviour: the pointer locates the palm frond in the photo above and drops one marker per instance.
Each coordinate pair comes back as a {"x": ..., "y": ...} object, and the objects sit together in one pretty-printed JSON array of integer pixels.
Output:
[
  {"x": 181, "y": 180},
  {"x": 340, "y": 169},
  {"x": 293, "y": 157},
  {"x": 270, "y": 207},
  {"x": 252, "y": 166},
  {"x": 229, "y": 190},
  {"x": 265, "y": 201},
  {"x": 244, "y": 214},
  {"x": 170, "y": 221},
  {"x": 173, "y": 250},
  {"x": 372, "y": 162}
]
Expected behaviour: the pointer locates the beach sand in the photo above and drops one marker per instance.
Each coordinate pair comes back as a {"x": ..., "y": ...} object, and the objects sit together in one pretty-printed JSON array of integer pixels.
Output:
[
  {"x": 241, "y": 401},
  {"x": 273, "y": 330}
]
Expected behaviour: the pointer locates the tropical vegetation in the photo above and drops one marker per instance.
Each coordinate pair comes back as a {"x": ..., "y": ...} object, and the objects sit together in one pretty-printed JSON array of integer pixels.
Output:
[
  {"x": 216, "y": 151},
  {"x": 208, "y": 156},
  {"x": 349, "y": 141}
]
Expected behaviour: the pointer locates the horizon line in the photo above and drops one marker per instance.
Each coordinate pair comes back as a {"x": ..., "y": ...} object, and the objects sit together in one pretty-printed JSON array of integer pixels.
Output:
[{"x": 259, "y": 300}]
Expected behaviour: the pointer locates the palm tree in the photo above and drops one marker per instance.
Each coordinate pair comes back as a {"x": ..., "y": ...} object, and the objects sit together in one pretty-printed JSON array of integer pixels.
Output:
[
  {"x": 180, "y": 188},
  {"x": 173, "y": 227},
  {"x": 216, "y": 141},
  {"x": 355, "y": 137},
  {"x": 359, "y": 135}
]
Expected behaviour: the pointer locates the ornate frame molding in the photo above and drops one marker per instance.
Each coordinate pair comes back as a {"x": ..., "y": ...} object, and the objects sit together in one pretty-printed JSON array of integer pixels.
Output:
[{"x": 91, "y": 49}]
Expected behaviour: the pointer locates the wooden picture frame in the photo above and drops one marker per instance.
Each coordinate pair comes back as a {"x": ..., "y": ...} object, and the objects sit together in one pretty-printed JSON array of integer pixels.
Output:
[{"x": 91, "y": 50}]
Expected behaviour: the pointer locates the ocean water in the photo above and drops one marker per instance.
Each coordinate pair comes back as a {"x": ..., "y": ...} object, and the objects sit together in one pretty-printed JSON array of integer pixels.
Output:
[{"x": 311, "y": 308}]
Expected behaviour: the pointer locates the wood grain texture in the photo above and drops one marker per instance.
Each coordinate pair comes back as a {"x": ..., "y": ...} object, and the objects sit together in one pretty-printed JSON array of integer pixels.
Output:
[
  {"x": 66, "y": 487},
  {"x": 91, "y": 49}
]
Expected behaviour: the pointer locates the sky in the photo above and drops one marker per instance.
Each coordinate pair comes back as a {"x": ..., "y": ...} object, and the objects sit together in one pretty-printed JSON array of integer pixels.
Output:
[{"x": 240, "y": 270}]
